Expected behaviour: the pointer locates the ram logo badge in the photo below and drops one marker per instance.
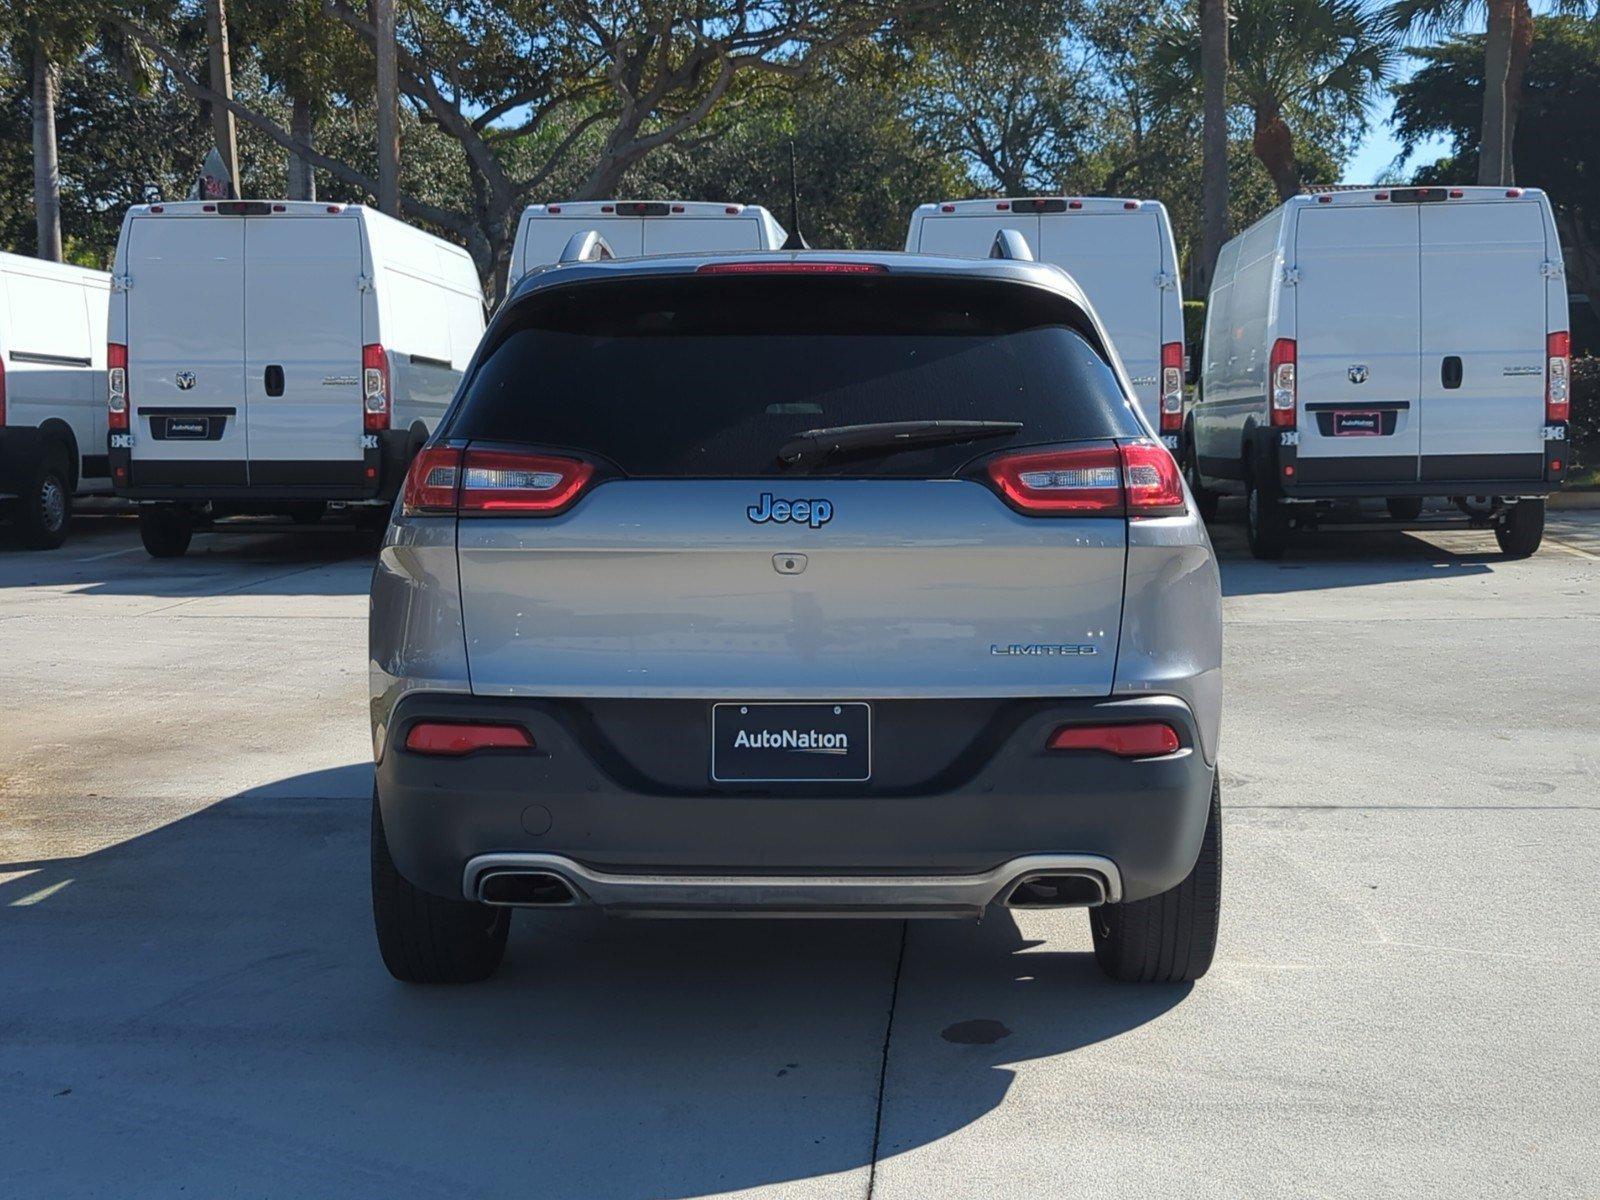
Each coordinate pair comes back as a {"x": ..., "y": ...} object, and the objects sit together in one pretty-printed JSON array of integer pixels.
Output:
[
  {"x": 815, "y": 513},
  {"x": 1358, "y": 372},
  {"x": 185, "y": 380}
]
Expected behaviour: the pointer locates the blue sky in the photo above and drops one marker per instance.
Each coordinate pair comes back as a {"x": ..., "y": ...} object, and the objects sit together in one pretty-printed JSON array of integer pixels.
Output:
[{"x": 1377, "y": 152}]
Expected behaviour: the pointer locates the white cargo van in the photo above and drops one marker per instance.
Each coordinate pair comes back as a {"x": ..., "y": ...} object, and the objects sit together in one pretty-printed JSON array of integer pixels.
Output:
[
  {"x": 637, "y": 227},
  {"x": 271, "y": 356},
  {"x": 1390, "y": 343},
  {"x": 1121, "y": 253},
  {"x": 52, "y": 393}
]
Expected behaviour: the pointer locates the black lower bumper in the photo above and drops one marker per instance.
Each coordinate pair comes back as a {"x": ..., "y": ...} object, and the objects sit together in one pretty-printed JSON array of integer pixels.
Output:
[
  {"x": 377, "y": 475},
  {"x": 959, "y": 787},
  {"x": 20, "y": 449}
]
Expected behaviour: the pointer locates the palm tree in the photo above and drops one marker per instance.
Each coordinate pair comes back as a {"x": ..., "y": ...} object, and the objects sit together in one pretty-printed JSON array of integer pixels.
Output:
[
  {"x": 386, "y": 52},
  {"x": 221, "y": 75},
  {"x": 1291, "y": 63},
  {"x": 1214, "y": 135},
  {"x": 1507, "y": 43}
]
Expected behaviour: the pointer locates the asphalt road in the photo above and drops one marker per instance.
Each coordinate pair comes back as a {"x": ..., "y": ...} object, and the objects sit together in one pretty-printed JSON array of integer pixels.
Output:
[{"x": 1404, "y": 1002}]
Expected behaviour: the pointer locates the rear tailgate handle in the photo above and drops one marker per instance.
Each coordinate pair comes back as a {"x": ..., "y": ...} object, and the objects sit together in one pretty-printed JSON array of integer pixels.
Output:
[
  {"x": 272, "y": 377},
  {"x": 1450, "y": 371}
]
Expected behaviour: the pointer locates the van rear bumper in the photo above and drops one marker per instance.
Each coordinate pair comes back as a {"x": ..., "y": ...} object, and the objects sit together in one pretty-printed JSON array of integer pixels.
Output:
[
  {"x": 377, "y": 475},
  {"x": 593, "y": 794},
  {"x": 20, "y": 449}
]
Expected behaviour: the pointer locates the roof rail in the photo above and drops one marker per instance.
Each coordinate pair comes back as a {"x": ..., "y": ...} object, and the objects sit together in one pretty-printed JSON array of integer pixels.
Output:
[
  {"x": 586, "y": 246},
  {"x": 1008, "y": 243}
]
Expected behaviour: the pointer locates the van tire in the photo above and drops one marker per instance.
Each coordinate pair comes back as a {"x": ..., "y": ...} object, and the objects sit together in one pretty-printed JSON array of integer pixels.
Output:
[
  {"x": 1205, "y": 500},
  {"x": 425, "y": 938},
  {"x": 165, "y": 530},
  {"x": 1404, "y": 508},
  {"x": 1520, "y": 530},
  {"x": 44, "y": 509},
  {"x": 1266, "y": 522},
  {"x": 1170, "y": 937}
]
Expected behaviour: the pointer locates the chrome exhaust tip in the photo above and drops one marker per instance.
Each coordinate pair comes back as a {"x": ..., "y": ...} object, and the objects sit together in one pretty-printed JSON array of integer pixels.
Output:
[
  {"x": 1058, "y": 890},
  {"x": 525, "y": 889}
]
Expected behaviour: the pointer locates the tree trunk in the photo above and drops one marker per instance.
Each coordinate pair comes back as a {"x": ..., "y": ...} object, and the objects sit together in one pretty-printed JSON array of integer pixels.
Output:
[
  {"x": 302, "y": 179},
  {"x": 46, "y": 169},
  {"x": 388, "y": 108},
  {"x": 1516, "y": 72},
  {"x": 1214, "y": 152},
  {"x": 1274, "y": 146},
  {"x": 222, "y": 126},
  {"x": 1496, "y": 68}
]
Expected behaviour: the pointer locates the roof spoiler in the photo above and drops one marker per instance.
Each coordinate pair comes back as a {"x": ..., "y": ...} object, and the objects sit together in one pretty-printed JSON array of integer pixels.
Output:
[
  {"x": 1008, "y": 243},
  {"x": 586, "y": 246}
]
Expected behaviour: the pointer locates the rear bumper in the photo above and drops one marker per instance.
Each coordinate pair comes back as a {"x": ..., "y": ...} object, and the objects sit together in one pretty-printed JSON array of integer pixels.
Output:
[
  {"x": 618, "y": 798},
  {"x": 377, "y": 475}
]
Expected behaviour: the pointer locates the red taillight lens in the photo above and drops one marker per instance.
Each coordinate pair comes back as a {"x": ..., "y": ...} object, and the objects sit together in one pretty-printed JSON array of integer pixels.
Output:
[
  {"x": 456, "y": 738},
  {"x": 1146, "y": 739},
  {"x": 374, "y": 388},
  {"x": 790, "y": 267},
  {"x": 1154, "y": 485},
  {"x": 1558, "y": 377},
  {"x": 1135, "y": 479},
  {"x": 1172, "y": 387},
  {"x": 539, "y": 485},
  {"x": 117, "y": 387},
  {"x": 432, "y": 481},
  {"x": 1281, "y": 378},
  {"x": 1084, "y": 482}
]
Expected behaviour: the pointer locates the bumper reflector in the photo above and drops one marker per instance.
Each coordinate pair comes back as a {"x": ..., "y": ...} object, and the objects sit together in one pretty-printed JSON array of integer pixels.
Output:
[
  {"x": 458, "y": 738},
  {"x": 1145, "y": 740}
]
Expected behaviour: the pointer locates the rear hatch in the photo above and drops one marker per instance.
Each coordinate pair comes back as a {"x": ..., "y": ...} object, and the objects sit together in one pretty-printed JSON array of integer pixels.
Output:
[{"x": 697, "y": 562}]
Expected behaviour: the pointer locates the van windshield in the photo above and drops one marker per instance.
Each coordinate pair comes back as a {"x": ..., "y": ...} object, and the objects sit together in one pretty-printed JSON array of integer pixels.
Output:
[{"x": 699, "y": 376}]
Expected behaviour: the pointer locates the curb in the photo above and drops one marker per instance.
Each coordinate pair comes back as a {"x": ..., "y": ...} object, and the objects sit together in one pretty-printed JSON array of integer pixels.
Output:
[{"x": 1574, "y": 500}]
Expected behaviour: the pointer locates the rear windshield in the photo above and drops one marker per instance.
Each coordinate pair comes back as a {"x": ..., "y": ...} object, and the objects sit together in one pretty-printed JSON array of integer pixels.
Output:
[{"x": 707, "y": 376}]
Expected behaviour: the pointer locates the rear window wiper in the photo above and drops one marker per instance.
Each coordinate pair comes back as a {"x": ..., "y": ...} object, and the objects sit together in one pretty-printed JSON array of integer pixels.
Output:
[{"x": 885, "y": 437}]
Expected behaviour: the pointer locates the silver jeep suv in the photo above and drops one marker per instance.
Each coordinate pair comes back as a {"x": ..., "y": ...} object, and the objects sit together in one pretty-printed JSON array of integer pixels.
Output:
[{"x": 795, "y": 585}]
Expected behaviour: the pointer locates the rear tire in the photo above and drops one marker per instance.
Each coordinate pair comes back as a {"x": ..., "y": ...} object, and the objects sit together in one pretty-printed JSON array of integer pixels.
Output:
[
  {"x": 1521, "y": 529},
  {"x": 425, "y": 938},
  {"x": 1266, "y": 522},
  {"x": 1204, "y": 498},
  {"x": 1404, "y": 508},
  {"x": 165, "y": 530},
  {"x": 44, "y": 508},
  {"x": 1171, "y": 937}
]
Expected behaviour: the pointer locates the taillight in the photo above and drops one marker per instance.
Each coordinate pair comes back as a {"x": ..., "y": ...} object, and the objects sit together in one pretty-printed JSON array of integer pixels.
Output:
[
  {"x": 1172, "y": 387},
  {"x": 1135, "y": 479},
  {"x": 117, "y": 387},
  {"x": 374, "y": 388},
  {"x": 1146, "y": 739},
  {"x": 455, "y": 738},
  {"x": 447, "y": 480},
  {"x": 1281, "y": 377},
  {"x": 536, "y": 484},
  {"x": 1558, "y": 377},
  {"x": 432, "y": 480}
]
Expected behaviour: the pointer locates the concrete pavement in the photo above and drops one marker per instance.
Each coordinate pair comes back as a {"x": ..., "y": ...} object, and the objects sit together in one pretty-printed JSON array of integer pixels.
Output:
[{"x": 1404, "y": 1001}]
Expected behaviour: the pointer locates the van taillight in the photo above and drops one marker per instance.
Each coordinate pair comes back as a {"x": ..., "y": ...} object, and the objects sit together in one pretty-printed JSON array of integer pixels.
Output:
[
  {"x": 444, "y": 479},
  {"x": 1558, "y": 377},
  {"x": 1281, "y": 379},
  {"x": 1134, "y": 479},
  {"x": 1172, "y": 387},
  {"x": 117, "y": 387},
  {"x": 374, "y": 388}
]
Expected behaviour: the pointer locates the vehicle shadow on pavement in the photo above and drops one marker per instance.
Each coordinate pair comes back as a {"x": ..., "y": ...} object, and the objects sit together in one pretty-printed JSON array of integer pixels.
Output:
[
  {"x": 202, "y": 1007},
  {"x": 1335, "y": 557}
]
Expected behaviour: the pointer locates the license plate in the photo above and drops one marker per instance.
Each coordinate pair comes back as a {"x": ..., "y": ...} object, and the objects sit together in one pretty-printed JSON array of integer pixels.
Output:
[
  {"x": 791, "y": 743},
  {"x": 195, "y": 428},
  {"x": 1357, "y": 423}
]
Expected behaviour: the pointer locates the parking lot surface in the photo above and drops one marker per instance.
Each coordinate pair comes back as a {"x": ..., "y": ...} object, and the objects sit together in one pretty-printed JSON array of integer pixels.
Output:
[{"x": 1404, "y": 1001}]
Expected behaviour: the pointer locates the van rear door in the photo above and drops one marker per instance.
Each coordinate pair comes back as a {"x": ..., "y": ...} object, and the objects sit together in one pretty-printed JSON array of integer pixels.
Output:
[
  {"x": 1357, "y": 312},
  {"x": 1483, "y": 340},
  {"x": 186, "y": 349},
  {"x": 971, "y": 235},
  {"x": 681, "y": 234},
  {"x": 303, "y": 339},
  {"x": 1117, "y": 260}
]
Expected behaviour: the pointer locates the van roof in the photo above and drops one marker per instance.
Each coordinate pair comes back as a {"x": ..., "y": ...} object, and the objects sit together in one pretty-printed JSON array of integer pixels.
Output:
[
  {"x": 24, "y": 264},
  {"x": 1347, "y": 195},
  {"x": 242, "y": 208},
  {"x": 644, "y": 208},
  {"x": 1039, "y": 204}
]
